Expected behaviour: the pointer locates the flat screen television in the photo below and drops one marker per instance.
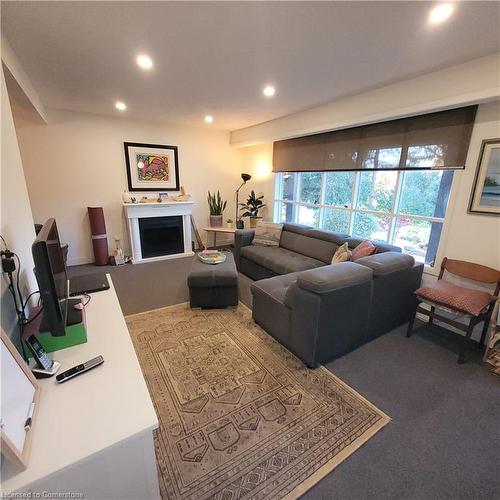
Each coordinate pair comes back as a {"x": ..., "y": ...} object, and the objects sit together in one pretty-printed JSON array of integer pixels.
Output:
[{"x": 50, "y": 271}]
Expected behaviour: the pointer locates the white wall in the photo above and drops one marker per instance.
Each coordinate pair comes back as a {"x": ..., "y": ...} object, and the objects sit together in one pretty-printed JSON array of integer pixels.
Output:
[
  {"x": 78, "y": 161},
  {"x": 460, "y": 85},
  {"x": 16, "y": 217},
  {"x": 258, "y": 162}
]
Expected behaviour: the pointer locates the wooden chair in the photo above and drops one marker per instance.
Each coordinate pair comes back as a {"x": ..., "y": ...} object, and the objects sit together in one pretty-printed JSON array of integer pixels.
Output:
[{"x": 474, "y": 304}]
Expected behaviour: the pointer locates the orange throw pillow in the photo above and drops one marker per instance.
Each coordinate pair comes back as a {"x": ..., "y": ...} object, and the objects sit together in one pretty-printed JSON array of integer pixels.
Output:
[{"x": 365, "y": 248}]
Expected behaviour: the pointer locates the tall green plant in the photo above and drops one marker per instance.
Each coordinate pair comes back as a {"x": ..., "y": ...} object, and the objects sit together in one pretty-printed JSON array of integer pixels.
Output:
[
  {"x": 216, "y": 204},
  {"x": 252, "y": 206}
]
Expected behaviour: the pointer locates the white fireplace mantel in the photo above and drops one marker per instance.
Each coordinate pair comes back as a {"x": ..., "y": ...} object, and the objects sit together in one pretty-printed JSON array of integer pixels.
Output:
[{"x": 136, "y": 211}]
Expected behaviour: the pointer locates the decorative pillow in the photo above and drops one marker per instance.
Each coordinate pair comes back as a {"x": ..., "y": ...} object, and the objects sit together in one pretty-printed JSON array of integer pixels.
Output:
[
  {"x": 456, "y": 297},
  {"x": 365, "y": 248},
  {"x": 342, "y": 254},
  {"x": 267, "y": 234}
]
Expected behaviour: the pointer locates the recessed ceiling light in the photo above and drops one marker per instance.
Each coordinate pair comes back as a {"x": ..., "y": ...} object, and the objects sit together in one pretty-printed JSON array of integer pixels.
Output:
[
  {"x": 121, "y": 106},
  {"x": 269, "y": 91},
  {"x": 209, "y": 119},
  {"x": 145, "y": 62},
  {"x": 441, "y": 12}
]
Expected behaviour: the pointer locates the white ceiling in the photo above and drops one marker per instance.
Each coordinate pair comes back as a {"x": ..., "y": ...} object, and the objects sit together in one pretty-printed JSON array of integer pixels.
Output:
[{"x": 215, "y": 57}]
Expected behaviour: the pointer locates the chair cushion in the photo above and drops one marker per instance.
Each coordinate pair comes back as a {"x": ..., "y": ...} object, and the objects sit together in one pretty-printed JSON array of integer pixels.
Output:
[
  {"x": 279, "y": 260},
  {"x": 456, "y": 297}
]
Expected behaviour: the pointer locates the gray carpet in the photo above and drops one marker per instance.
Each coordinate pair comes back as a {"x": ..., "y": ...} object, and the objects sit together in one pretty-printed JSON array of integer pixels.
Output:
[
  {"x": 141, "y": 287},
  {"x": 444, "y": 438}
]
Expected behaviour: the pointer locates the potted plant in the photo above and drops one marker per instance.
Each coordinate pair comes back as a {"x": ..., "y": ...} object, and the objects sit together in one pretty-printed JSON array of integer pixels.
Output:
[
  {"x": 216, "y": 206},
  {"x": 251, "y": 208},
  {"x": 229, "y": 223}
]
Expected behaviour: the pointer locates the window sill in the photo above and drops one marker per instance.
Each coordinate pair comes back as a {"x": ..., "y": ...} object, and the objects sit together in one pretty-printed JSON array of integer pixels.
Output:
[{"x": 431, "y": 271}]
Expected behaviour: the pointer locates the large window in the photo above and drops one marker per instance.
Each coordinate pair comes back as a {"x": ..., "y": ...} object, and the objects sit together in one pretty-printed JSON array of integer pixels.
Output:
[{"x": 405, "y": 208}]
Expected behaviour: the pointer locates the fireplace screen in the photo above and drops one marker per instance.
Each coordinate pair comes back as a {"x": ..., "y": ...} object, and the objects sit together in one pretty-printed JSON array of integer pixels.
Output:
[{"x": 161, "y": 236}]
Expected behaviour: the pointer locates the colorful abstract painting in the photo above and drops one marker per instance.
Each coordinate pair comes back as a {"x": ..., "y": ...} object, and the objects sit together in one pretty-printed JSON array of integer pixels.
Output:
[{"x": 151, "y": 167}]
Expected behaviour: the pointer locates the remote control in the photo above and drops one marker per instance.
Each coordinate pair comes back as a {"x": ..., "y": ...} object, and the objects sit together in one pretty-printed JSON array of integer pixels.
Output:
[{"x": 79, "y": 369}]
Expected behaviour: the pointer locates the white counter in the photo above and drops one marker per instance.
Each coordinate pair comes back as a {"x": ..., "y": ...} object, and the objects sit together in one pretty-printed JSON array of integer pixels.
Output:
[{"x": 93, "y": 434}]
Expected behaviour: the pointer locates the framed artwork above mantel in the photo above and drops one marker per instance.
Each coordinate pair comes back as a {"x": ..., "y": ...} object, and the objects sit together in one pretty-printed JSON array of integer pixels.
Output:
[
  {"x": 485, "y": 195},
  {"x": 151, "y": 167}
]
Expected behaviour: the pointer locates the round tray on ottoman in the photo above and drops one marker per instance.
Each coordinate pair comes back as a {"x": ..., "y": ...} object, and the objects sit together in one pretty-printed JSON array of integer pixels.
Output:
[
  {"x": 212, "y": 257},
  {"x": 213, "y": 286}
]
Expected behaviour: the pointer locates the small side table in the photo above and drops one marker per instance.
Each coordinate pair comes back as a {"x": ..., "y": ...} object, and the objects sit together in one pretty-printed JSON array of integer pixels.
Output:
[{"x": 217, "y": 230}]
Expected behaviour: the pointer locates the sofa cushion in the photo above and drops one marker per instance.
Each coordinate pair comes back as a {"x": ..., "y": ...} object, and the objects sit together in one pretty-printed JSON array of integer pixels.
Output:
[
  {"x": 276, "y": 287},
  {"x": 387, "y": 262},
  {"x": 333, "y": 277},
  {"x": 382, "y": 246},
  {"x": 319, "y": 245},
  {"x": 279, "y": 260}
]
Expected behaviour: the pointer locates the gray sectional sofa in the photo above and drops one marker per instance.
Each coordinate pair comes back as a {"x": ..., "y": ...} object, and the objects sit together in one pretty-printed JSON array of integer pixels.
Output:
[{"x": 321, "y": 311}]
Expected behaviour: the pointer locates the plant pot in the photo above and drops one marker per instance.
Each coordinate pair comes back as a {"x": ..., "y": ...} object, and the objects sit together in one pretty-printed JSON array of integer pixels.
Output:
[
  {"x": 229, "y": 224},
  {"x": 216, "y": 221},
  {"x": 254, "y": 221}
]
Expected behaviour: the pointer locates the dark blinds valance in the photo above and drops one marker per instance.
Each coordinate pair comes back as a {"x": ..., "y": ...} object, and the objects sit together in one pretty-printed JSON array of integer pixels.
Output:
[{"x": 433, "y": 141}]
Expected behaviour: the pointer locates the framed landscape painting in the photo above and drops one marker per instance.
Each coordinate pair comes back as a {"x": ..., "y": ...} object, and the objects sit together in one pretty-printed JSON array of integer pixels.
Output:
[
  {"x": 485, "y": 195},
  {"x": 151, "y": 167}
]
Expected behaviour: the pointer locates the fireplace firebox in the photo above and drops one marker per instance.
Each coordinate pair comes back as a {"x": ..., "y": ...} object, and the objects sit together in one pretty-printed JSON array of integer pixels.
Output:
[{"x": 161, "y": 236}]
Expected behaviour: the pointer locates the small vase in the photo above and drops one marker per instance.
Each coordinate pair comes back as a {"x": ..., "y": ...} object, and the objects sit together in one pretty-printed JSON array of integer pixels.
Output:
[
  {"x": 254, "y": 221},
  {"x": 239, "y": 224},
  {"x": 216, "y": 221}
]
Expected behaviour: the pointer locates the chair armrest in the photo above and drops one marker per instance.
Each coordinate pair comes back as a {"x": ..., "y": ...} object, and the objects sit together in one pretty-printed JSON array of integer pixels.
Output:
[
  {"x": 242, "y": 238},
  {"x": 326, "y": 279}
]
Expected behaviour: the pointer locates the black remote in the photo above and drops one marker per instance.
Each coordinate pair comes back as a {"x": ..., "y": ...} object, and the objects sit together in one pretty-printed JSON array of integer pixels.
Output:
[{"x": 79, "y": 369}]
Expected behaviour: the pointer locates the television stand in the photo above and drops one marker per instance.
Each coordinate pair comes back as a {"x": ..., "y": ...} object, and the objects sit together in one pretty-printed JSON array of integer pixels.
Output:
[{"x": 94, "y": 434}]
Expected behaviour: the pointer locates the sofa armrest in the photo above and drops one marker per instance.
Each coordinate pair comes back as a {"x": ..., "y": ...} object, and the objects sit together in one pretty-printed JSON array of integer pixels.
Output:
[
  {"x": 242, "y": 238},
  {"x": 329, "y": 309},
  {"x": 387, "y": 262},
  {"x": 327, "y": 279}
]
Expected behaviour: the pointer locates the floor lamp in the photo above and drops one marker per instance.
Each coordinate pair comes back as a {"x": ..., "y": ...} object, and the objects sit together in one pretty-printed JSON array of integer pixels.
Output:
[{"x": 245, "y": 178}]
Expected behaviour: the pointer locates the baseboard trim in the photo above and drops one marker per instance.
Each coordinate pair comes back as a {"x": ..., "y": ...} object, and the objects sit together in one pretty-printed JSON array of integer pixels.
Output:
[{"x": 78, "y": 261}]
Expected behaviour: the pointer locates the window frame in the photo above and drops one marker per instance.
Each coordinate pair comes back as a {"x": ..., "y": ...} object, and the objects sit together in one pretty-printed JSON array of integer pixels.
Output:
[{"x": 393, "y": 214}]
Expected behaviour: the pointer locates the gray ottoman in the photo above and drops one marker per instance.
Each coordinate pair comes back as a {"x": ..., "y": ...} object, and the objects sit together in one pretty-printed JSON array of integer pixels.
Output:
[{"x": 213, "y": 286}]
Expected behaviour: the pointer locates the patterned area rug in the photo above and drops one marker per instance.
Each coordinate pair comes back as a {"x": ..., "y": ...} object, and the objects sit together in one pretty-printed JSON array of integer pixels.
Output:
[{"x": 240, "y": 416}]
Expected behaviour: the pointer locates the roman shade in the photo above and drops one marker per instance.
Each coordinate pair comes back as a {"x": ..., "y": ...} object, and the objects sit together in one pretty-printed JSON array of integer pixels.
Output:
[{"x": 432, "y": 141}]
